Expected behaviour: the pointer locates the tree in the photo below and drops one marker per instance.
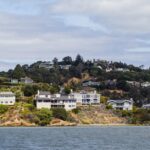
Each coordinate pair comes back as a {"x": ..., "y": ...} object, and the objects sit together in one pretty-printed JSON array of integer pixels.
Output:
[
  {"x": 44, "y": 115},
  {"x": 55, "y": 61},
  {"x": 67, "y": 60},
  {"x": 78, "y": 60},
  {"x": 67, "y": 90},
  {"x": 60, "y": 113},
  {"x": 18, "y": 72},
  {"x": 29, "y": 90}
]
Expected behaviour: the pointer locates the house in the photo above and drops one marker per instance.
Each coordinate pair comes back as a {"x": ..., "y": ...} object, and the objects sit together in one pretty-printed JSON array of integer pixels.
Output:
[
  {"x": 121, "y": 104},
  {"x": 14, "y": 81},
  {"x": 26, "y": 80},
  {"x": 145, "y": 84},
  {"x": 146, "y": 106},
  {"x": 87, "y": 98},
  {"x": 134, "y": 83},
  {"x": 47, "y": 100},
  {"x": 7, "y": 98},
  {"x": 122, "y": 70},
  {"x": 109, "y": 69},
  {"x": 91, "y": 83},
  {"x": 65, "y": 67},
  {"x": 47, "y": 65}
]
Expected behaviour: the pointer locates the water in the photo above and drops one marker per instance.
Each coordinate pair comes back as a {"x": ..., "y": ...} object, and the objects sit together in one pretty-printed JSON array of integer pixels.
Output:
[{"x": 75, "y": 138}]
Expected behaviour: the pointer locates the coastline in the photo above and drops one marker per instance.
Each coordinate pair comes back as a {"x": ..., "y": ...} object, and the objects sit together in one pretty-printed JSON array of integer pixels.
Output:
[{"x": 79, "y": 125}]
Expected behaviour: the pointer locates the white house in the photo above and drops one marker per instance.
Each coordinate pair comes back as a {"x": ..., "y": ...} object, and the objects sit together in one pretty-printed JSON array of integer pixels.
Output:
[
  {"x": 14, "y": 81},
  {"x": 146, "y": 106},
  {"x": 26, "y": 80},
  {"x": 121, "y": 104},
  {"x": 47, "y": 100},
  {"x": 87, "y": 98},
  {"x": 90, "y": 83},
  {"x": 7, "y": 98},
  {"x": 65, "y": 67},
  {"x": 47, "y": 65},
  {"x": 145, "y": 84}
]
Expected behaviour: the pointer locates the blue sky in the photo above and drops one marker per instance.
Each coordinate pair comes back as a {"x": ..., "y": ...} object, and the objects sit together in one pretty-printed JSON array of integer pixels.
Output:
[{"x": 32, "y": 30}]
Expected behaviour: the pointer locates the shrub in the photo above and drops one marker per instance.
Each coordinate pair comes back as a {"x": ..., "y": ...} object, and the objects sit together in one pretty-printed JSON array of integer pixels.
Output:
[
  {"x": 76, "y": 110},
  {"x": 30, "y": 107},
  {"x": 44, "y": 115},
  {"x": 3, "y": 109},
  {"x": 126, "y": 113},
  {"x": 60, "y": 113},
  {"x": 109, "y": 107}
]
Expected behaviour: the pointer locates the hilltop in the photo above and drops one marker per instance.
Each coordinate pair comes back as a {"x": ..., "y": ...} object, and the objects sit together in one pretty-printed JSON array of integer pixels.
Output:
[{"x": 112, "y": 79}]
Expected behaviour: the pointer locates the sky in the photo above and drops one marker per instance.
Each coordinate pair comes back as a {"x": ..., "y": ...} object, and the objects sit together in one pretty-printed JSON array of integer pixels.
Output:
[{"x": 31, "y": 30}]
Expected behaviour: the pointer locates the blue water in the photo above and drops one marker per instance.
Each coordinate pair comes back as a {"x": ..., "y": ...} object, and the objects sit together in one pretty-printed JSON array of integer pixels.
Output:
[{"x": 75, "y": 138}]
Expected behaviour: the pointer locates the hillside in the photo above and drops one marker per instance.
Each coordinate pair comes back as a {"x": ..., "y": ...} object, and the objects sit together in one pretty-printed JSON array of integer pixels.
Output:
[
  {"x": 20, "y": 115},
  {"x": 98, "y": 115}
]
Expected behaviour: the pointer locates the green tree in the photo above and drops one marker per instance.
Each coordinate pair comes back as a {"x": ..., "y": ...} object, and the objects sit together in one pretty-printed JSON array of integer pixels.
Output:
[
  {"x": 44, "y": 115},
  {"x": 18, "y": 72},
  {"x": 67, "y": 90},
  {"x": 29, "y": 90},
  {"x": 67, "y": 60},
  {"x": 78, "y": 60},
  {"x": 60, "y": 113},
  {"x": 3, "y": 109}
]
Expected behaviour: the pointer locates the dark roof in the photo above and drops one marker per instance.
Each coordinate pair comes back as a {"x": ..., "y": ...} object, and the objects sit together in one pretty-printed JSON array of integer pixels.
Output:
[
  {"x": 55, "y": 98},
  {"x": 44, "y": 93},
  {"x": 120, "y": 101}
]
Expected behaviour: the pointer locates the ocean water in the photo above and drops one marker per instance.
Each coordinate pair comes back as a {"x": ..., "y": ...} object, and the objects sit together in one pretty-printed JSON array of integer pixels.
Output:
[{"x": 75, "y": 138}]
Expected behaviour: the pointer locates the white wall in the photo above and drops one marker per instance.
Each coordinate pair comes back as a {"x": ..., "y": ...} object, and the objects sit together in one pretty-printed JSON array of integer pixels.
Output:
[{"x": 8, "y": 100}]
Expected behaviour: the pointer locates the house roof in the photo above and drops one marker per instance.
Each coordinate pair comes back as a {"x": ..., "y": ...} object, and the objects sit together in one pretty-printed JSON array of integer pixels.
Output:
[
  {"x": 6, "y": 94},
  {"x": 44, "y": 93},
  {"x": 120, "y": 101}
]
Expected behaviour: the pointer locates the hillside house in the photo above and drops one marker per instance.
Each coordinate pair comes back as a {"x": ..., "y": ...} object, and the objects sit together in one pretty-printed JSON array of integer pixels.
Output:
[
  {"x": 91, "y": 83},
  {"x": 121, "y": 104},
  {"x": 146, "y": 106},
  {"x": 47, "y": 100},
  {"x": 145, "y": 84},
  {"x": 14, "y": 81},
  {"x": 7, "y": 98},
  {"x": 65, "y": 67},
  {"x": 26, "y": 80},
  {"x": 87, "y": 98},
  {"x": 47, "y": 65}
]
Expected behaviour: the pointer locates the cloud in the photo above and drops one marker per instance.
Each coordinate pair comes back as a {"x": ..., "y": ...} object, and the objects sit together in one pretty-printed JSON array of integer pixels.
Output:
[
  {"x": 108, "y": 29},
  {"x": 83, "y": 22},
  {"x": 139, "y": 50}
]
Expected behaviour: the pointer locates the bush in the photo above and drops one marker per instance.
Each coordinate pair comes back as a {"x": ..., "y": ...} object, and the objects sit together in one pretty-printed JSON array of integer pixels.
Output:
[
  {"x": 109, "y": 107},
  {"x": 3, "y": 109},
  {"x": 126, "y": 113},
  {"x": 30, "y": 107},
  {"x": 60, "y": 113},
  {"x": 76, "y": 110},
  {"x": 29, "y": 90},
  {"x": 44, "y": 115}
]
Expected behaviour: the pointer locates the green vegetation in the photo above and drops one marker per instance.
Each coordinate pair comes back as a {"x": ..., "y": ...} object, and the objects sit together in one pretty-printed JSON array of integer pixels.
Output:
[
  {"x": 60, "y": 113},
  {"x": 3, "y": 109},
  {"x": 113, "y": 85},
  {"x": 44, "y": 116},
  {"x": 76, "y": 110},
  {"x": 109, "y": 107}
]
